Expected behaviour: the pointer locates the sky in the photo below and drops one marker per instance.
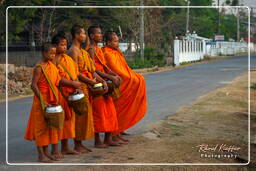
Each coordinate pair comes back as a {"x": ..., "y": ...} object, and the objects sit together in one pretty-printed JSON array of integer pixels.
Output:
[{"x": 250, "y": 3}]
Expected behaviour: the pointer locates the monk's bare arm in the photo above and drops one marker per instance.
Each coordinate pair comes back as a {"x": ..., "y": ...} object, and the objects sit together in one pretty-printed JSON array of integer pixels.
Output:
[
  {"x": 98, "y": 78},
  {"x": 86, "y": 80},
  {"x": 70, "y": 83},
  {"x": 104, "y": 75},
  {"x": 34, "y": 87},
  {"x": 74, "y": 54}
]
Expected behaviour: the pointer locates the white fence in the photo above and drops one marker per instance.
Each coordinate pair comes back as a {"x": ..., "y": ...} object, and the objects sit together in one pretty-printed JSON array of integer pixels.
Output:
[
  {"x": 187, "y": 51},
  {"x": 194, "y": 50},
  {"x": 225, "y": 48}
]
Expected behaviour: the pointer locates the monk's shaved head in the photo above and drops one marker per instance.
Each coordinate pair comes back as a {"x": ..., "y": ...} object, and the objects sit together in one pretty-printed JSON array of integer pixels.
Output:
[
  {"x": 108, "y": 36},
  {"x": 91, "y": 29},
  {"x": 76, "y": 29}
]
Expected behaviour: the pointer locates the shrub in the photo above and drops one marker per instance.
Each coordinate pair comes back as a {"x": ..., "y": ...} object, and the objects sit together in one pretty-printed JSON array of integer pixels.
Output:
[{"x": 152, "y": 58}]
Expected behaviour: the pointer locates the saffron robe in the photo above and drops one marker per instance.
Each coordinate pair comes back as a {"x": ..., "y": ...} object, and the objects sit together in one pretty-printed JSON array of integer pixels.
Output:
[
  {"x": 37, "y": 128},
  {"x": 131, "y": 106},
  {"x": 104, "y": 112}
]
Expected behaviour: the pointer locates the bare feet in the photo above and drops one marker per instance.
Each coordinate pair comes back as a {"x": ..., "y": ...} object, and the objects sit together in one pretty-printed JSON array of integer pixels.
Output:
[
  {"x": 51, "y": 157},
  {"x": 121, "y": 138},
  {"x": 44, "y": 159},
  {"x": 121, "y": 141},
  {"x": 57, "y": 155},
  {"x": 81, "y": 149},
  {"x": 100, "y": 145},
  {"x": 85, "y": 148},
  {"x": 69, "y": 151},
  {"x": 112, "y": 143},
  {"x": 125, "y": 133}
]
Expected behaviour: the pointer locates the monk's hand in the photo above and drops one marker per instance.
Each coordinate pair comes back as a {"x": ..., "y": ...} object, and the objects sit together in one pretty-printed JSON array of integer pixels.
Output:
[
  {"x": 120, "y": 80},
  {"x": 76, "y": 84},
  {"x": 116, "y": 80},
  {"x": 47, "y": 104},
  {"x": 93, "y": 82},
  {"x": 105, "y": 86},
  {"x": 79, "y": 91}
]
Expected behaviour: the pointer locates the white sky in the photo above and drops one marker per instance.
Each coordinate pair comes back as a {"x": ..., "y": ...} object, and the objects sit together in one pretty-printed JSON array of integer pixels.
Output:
[{"x": 250, "y": 3}]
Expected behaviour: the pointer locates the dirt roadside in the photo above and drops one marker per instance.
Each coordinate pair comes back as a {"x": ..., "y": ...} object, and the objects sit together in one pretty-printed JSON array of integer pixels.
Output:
[{"x": 220, "y": 117}]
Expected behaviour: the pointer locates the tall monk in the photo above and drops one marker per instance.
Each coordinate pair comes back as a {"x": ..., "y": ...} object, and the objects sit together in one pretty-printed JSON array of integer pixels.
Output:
[
  {"x": 37, "y": 128},
  {"x": 63, "y": 63},
  {"x": 84, "y": 128},
  {"x": 104, "y": 113},
  {"x": 131, "y": 106}
]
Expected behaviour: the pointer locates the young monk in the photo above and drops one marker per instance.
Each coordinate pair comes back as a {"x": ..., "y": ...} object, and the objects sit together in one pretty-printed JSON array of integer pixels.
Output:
[
  {"x": 37, "y": 128},
  {"x": 104, "y": 113},
  {"x": 131, "y": 106},
  {"x": 63, "y": 63},
  {"x": 84, "y": 123}
]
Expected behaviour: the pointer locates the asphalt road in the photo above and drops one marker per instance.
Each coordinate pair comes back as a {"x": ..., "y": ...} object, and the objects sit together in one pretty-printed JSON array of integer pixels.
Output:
[{"x": 167, "y": 91}]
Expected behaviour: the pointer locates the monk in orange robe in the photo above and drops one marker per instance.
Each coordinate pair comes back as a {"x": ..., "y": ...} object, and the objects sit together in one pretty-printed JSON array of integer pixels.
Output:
[
  {"x": 37, "y": 128},
  {"x": 104, "y": 113},
  {"x": 131, "y": 106},
  {"x": 68, "y": 70},
  {"x": 84, "y": 128}
]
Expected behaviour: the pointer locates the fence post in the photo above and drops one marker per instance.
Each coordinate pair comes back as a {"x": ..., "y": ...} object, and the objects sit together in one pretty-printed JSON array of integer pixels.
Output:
[{"x": 176, "y": 52}]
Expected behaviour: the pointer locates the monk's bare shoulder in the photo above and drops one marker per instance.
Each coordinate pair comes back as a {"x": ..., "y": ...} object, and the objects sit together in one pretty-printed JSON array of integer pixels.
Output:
[{"x": 74, "y": 52}]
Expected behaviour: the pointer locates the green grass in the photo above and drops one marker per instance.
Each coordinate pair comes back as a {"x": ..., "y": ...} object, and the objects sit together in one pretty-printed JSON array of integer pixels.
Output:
[{"x": 253, "y": 86}]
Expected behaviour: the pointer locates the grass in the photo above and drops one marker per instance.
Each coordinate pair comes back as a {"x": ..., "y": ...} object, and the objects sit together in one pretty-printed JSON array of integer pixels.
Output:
[{"x": 253, "y": 86}]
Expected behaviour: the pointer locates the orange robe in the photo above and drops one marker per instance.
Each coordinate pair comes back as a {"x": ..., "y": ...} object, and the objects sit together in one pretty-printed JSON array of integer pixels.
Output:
[
  {"x": 37, "y": 128},
  {"x": 69, "y": 123},
  {"x": 84, "y": 123},
  {"x": 131, "y": 106},
  {"x": 104, "y": 112}
]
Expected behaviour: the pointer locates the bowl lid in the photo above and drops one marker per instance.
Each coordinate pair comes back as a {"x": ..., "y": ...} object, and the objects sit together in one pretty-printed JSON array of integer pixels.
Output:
[{"x": 98, "y": 85}]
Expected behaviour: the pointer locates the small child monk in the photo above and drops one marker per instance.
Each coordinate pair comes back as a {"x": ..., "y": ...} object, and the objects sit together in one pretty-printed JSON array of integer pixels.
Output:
[{"x": 37, "y": 127}]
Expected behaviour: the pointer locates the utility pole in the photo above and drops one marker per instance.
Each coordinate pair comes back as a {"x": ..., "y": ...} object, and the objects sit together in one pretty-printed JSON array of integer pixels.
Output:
[
  {"x": 218, "y": 17},
  {"x": 238, "y": 25},
  {"x": 142, "y": 30},
  {"x": 236, "y": 3},
  {"x": 187, "y": 23}
]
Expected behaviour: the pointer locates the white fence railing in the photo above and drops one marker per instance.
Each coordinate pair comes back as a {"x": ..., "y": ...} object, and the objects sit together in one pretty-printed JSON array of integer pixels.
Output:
[
  {"x": 187, "y": 51},
  {"x": 194, "y": 50},
  {"x": 225, "y": 48}
]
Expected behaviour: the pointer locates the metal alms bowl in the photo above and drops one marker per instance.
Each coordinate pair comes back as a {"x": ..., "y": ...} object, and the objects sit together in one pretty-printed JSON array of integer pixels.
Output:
[
  {"x": 76, "y": 97},
  {"x": 54, "y": 109},
  {"x": 98, "y": 86}
]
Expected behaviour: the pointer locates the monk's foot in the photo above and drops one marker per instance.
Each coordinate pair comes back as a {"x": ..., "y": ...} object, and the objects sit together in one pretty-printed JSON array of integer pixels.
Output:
[
  {"x": 112, "y": 143},
  {"x": 125, "y": 133},
  {"x": 100, "y": 145},
  {"x": 85, "y": 148},
  {"x": 122, "y": 142},
  {"x": 51, "y": 157},
  {"x": 57, "y": 155},
  {"x": 45, "y": 160},
  {"x": 122, "y": 139},
  {"x": 69, "y": 151},
  {"x": 80, "y": 149}
]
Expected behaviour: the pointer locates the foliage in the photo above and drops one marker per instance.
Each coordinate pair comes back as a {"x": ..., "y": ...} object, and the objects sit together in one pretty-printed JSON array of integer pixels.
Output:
[
  {"x": 161, "y": 25},
  {"x": 153, "y": 57}
]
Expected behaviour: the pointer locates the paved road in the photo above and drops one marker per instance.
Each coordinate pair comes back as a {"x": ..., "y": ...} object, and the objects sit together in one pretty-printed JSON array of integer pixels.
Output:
[{"x": 167, "y": 91}]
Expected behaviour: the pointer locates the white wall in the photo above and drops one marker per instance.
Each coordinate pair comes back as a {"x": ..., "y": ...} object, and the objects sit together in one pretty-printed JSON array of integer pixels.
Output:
[
  {"x": 188, "y": 51},
  {"x": 194, "y": 50}
]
